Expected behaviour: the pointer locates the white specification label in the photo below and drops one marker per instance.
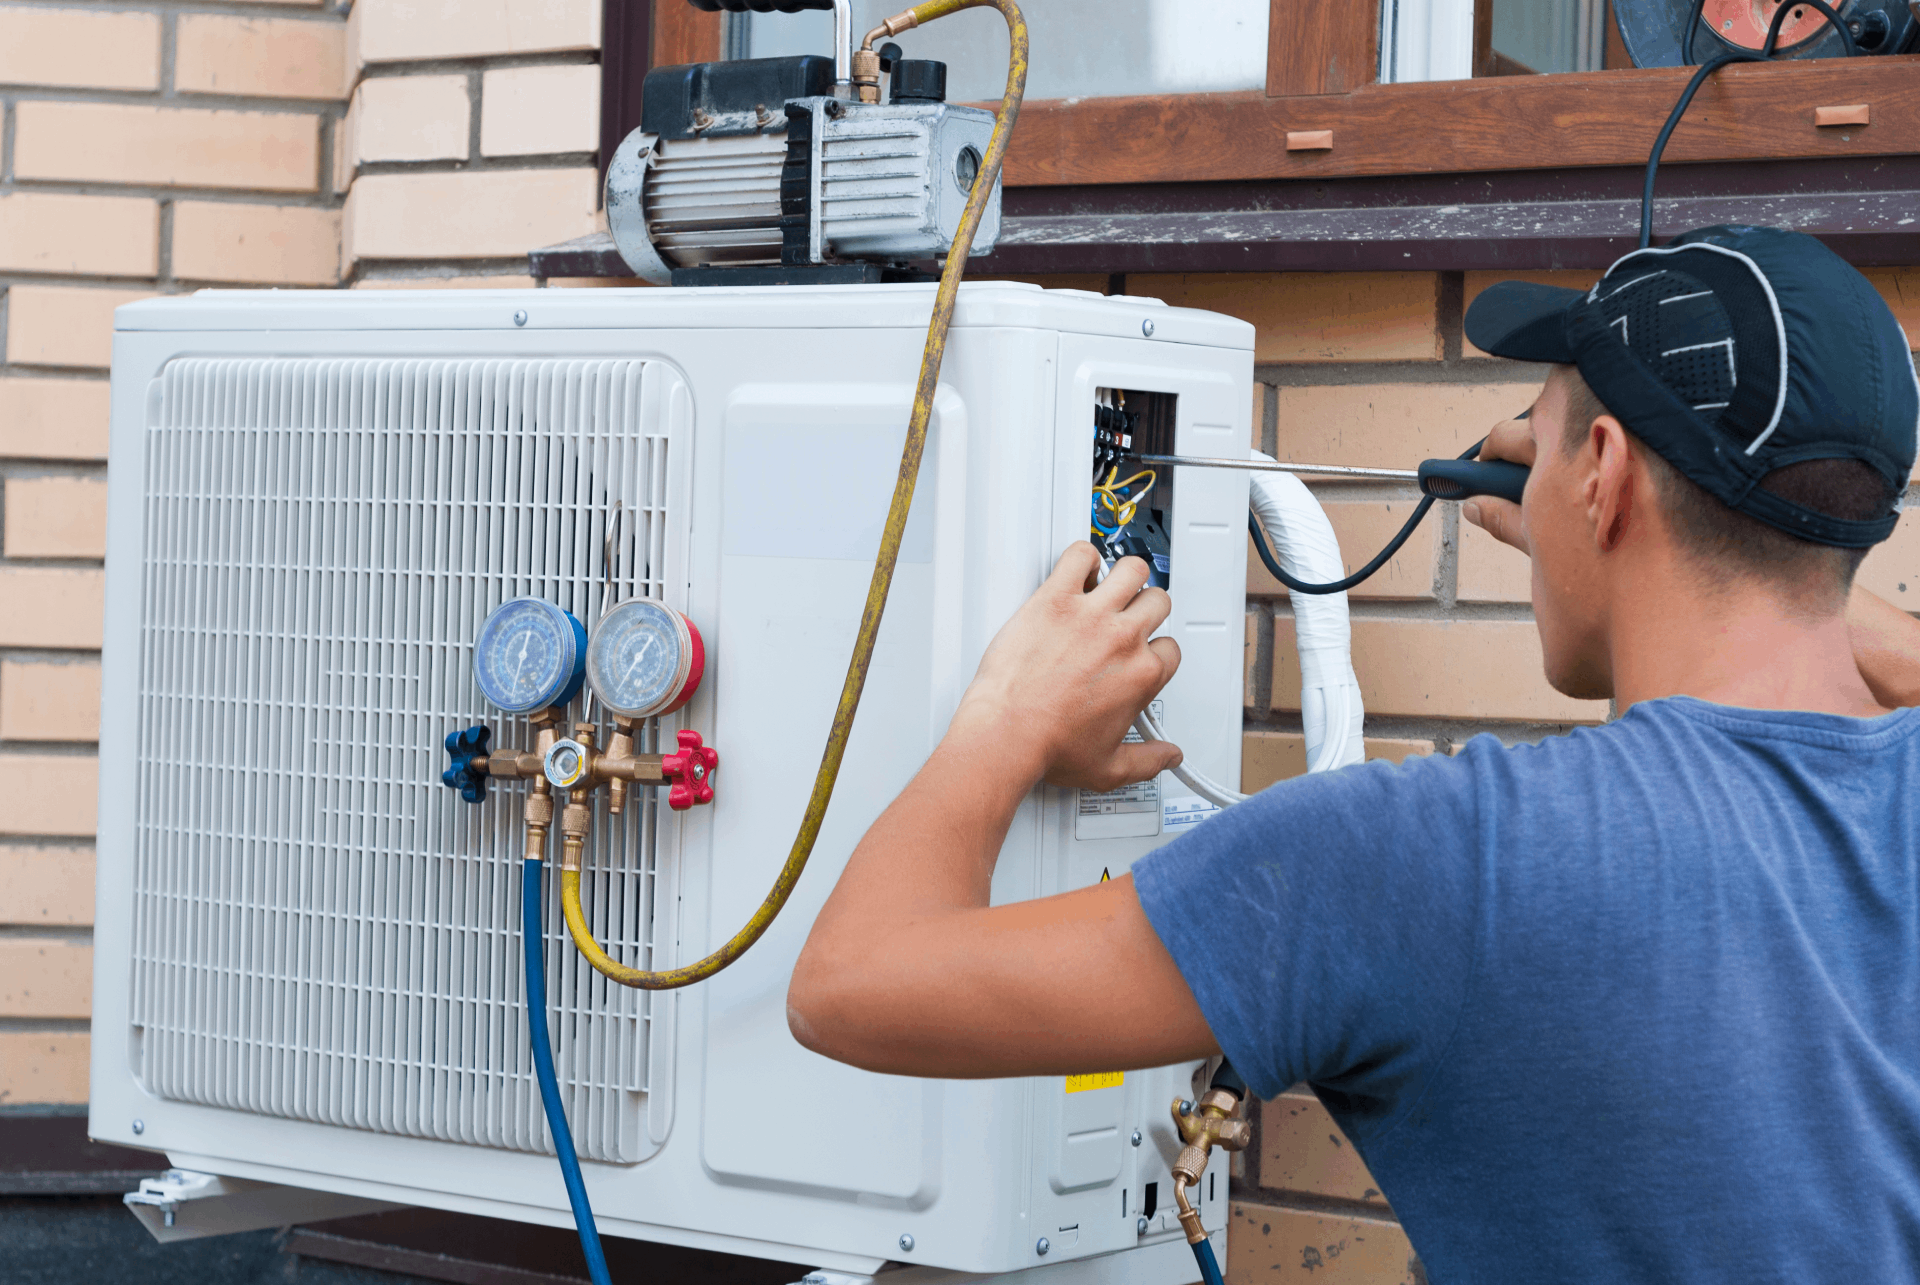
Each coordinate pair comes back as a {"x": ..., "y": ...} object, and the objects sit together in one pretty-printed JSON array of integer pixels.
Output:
[{"x": 1127, "y": 813}]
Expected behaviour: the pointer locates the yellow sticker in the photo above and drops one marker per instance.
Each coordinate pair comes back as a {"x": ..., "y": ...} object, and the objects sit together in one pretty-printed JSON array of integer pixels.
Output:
[{"x": 1098, "y": 1080}]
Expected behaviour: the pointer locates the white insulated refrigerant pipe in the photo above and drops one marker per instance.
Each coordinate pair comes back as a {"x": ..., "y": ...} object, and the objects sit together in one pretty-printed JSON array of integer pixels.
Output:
[{"x": 1330, "y": 705}]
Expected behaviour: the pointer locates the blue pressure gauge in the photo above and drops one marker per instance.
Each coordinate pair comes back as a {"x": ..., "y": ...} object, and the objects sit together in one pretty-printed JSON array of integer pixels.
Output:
[
  {"x": 530, "y": 654},
  {"x": 646, "y": 659}
]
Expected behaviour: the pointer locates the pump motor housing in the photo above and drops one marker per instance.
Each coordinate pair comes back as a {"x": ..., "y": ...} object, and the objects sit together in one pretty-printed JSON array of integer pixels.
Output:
[{"x": 758, "y": 164}]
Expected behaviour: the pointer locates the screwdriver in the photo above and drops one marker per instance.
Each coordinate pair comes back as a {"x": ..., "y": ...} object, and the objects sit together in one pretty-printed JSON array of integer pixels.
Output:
[{"x": 1442, "y": 479}]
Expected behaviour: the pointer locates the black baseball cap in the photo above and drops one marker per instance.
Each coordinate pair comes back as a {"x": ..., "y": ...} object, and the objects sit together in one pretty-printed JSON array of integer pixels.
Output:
[{"x": 1733, "y": 351}]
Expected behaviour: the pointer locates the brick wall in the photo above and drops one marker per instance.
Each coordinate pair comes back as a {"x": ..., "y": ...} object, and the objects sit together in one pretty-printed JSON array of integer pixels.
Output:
[
  {"x": 1372, "y": 369},
  {"x": 149, "y": 147},
  {"x": 470, "y": 138}
]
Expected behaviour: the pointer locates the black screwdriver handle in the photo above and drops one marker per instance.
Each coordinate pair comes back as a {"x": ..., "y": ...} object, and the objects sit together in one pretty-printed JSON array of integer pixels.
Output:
[{"x": 1463, "y": 479}]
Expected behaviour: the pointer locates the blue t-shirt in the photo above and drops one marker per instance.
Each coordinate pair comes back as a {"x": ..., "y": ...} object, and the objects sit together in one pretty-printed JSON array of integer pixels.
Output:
[{"x": 1641, "y": 1003}]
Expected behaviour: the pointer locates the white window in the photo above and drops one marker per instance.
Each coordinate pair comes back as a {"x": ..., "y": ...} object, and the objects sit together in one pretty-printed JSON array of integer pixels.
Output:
[
  {"x": 1080, "y": 48},
  {"x": 1433, "y": 39}
]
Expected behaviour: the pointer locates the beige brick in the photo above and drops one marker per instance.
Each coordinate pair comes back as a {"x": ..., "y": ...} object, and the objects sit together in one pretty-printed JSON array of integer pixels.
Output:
[
  {"x": 1250, "y": 658},
  {"x": 526, "y": 111},
  {"x": 1315, "y": 316},
  {"x": 1266, "y": 757},
  {"x": 411, "y": 118},
  {"x": 1892, "y": 569},
  {"x": 1392, "y": 425},
  {"x": 108, "y": 236},
  {"x": 47, "y": 1067},
  {"x": 1443, "y": 669},
  {"x": 467, "y": 216},
  {"x": 269, "y": 244},
  {"x": 598, "y": 283},
  {"x": 1900, "y": 287},
  {"x": 63, "y": 326},
  {"x": 1259, "y": 419},
  {"x": 53, "y": 419},
  {"x": 507, "y": 281},
  {"x": 167, "y": 146},
  {"x": 46, "y": 887},
  {"x": 49, "y": 702},
  {"x": 1274, "y": 1245},
  {"x": 51, "y": 795},
  {"x": 415, "y": 29},
  {"x": 1302, "y": 1149},
  {"x": 1363, "y": 528},
  {"x": 1479, "y": 281},
  {"x": 222, "y": 53},
  {"x": 79, "y": 48},
  {"x": 51, "y": 607},
  {"x": 45, "y": 977},
  {"x": 56, "y": 517},
  {"x": 1491, "y": 571}
]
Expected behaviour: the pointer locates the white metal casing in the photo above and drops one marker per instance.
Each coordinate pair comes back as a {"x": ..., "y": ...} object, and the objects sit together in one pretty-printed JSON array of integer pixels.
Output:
[{"x": 781, "y": 414}]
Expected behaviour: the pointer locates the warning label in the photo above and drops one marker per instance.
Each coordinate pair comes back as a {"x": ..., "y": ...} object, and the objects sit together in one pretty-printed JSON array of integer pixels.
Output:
[{"x": 1097, "y": 1080}]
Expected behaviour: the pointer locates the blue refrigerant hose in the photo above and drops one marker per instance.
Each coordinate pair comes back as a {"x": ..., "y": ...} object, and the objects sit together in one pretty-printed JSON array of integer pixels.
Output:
[
  {"x": 533, "y": 937},
  {"x": 1209, "y": 1265}
]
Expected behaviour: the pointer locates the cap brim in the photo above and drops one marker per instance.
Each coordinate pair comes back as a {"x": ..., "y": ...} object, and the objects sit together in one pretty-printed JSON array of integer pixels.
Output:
[{"x": 1523, "y": 320}]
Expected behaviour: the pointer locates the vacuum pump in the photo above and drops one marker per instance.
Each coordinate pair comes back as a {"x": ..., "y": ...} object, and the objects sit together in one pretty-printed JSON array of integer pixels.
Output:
[{"x": 782, "y": 170}]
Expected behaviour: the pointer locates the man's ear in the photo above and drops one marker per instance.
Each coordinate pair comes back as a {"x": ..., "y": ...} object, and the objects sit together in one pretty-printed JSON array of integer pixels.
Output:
[{"x": 1611, "y": 481}]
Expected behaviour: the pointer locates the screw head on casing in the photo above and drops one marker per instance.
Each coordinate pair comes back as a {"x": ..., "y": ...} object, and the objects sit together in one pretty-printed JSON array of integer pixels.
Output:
[
  {"x": 1146, "y": 327},
  {"x": 1041, "y": 1246},
  {"x": 520, "y": 317},
  {"x": 139, "y": 1126},
  {"x": 906, "y": 1243},
  {"x": 1140, "y": 1227},
  {"x": 1136, "y": 1137}
]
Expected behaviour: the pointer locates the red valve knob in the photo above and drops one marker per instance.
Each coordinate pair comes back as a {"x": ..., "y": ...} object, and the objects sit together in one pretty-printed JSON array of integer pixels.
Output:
[{"x": 691, "y": 771}]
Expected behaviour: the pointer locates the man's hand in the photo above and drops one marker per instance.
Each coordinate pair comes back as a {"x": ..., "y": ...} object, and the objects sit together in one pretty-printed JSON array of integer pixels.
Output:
[
  {"x": 1065, "y": 677},
  {"x": 1510, "y": 440},
  {"x": 909, "y": 969}
]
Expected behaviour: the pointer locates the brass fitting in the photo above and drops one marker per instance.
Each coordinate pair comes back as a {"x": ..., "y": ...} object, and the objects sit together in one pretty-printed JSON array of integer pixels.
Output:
[
  {"x": 1203, "y": 1125},
  {"x": 891, "y": 27},
  {"x": 619, "y": 748},
  {"x": 866, "y": 75}
]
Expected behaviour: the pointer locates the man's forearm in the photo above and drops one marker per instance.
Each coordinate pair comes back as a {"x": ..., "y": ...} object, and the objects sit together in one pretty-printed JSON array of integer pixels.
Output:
[{"x": 1886, "y": 647}]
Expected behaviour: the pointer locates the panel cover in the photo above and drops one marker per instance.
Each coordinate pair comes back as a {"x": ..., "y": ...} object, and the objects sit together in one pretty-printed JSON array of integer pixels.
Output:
[{"x": 324, "y": 932}]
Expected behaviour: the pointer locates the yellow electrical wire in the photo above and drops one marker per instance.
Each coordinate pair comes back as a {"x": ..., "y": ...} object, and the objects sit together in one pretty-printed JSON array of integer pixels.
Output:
[{"x": 890, "y": 536}]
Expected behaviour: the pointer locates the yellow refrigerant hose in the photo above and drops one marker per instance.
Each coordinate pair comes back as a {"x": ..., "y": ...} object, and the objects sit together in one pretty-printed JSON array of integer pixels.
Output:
[{"x": 823, "y": 781}]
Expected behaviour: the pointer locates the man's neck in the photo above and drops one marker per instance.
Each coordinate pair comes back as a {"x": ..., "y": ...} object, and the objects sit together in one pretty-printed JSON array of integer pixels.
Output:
[{"x": 1737, "y": 645}]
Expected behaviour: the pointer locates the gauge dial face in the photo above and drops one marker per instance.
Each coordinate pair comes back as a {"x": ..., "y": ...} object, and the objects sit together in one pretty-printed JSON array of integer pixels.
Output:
[
  {"x": 527, "y": 655},
  {"x": 640, "y": 657}
]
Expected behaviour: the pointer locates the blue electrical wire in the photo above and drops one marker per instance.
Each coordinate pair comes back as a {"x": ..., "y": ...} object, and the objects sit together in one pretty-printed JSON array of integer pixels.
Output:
[
  {"x": 1209, "y": 1265},
  {"x": 532, "y": 932}
]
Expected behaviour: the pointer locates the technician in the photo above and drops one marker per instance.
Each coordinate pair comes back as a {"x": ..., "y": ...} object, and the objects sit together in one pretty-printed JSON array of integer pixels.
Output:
[{"x": 1638, "y": 1003}]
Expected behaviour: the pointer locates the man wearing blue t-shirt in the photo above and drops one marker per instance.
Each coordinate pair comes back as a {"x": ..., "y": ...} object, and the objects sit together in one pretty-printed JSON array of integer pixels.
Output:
[{"x": 1639, "y": 1003}]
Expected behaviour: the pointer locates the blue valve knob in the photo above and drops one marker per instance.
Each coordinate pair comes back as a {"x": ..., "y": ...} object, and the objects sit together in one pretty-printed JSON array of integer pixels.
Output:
[{"x": 463, "y": 748}]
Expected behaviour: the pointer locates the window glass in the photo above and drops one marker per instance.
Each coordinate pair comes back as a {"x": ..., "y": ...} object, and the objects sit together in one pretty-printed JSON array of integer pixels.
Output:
[
  {"x": 1549, "y": 35},
  {"x": 1080, "y": 48}
]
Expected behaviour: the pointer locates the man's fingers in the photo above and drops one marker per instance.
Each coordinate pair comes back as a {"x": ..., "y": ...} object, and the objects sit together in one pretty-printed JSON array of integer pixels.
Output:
[
  {"x": 1510, "y": 440},
  {"x": 1076, "y": 571},
  {"x": 1148, "y": 610},
  {"x": 1168, "y": 652},
  {"x": 1128, "y": 577},
  {"x": 1141, "y": 761},
  {"x": 1498, "y": 518}
]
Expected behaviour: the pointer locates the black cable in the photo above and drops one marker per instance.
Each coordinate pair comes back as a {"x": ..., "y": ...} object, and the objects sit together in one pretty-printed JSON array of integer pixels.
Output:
[
  {"x": 1706, "y": 70},
  {"x": 1380, "y": 560},
  {"x": 1693, "y": 25}
]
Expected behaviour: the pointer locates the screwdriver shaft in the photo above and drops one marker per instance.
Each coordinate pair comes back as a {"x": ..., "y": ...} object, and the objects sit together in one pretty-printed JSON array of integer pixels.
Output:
[{"x": 1263, "y": 466}]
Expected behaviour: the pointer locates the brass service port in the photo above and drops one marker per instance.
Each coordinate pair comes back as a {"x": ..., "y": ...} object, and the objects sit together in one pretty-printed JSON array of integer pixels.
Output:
[{"x": 1208, "y": 1123}]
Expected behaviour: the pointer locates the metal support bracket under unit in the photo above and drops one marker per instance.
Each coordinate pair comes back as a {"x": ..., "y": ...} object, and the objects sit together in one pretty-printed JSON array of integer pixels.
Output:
[{"x": 182, "y": 1204}]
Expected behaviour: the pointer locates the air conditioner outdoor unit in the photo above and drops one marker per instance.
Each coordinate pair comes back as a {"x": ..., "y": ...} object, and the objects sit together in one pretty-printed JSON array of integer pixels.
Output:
[{"x": 308, "y": 949}]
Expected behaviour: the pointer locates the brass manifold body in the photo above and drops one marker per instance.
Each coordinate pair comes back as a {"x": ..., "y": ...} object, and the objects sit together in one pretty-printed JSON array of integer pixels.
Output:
[{"x": 1211, "y": 1122}]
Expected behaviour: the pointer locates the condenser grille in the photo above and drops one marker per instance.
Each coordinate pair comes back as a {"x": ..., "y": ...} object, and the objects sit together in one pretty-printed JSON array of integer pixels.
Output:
[{"x": 324, "y": 932}]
